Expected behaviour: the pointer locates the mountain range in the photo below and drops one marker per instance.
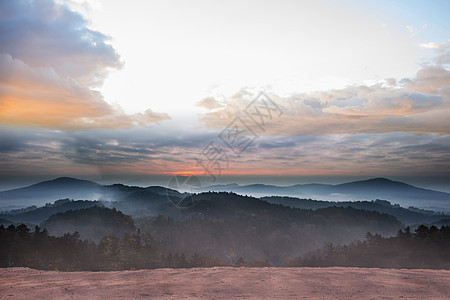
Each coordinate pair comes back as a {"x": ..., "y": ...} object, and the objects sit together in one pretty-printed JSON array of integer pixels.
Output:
[
  {"x": 219, "y": 224},
  {"x": 377, "y": 188},
  {"x": 66, "y": 187}
]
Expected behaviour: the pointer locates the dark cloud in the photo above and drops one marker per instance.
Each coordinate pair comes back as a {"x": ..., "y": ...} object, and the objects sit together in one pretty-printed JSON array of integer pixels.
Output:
[
  {"x": 44, "y": 34},
  {"x": 142, "y": 150},
  {"x": 99, "y": 148}
]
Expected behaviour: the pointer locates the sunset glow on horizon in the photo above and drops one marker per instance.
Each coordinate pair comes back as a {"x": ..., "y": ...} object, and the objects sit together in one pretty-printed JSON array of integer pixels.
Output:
[{"x": 112, "y": 89}]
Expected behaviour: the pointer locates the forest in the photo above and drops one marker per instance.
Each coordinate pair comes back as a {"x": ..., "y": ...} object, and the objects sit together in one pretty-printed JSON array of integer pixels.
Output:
[
  {"x": 22, "y": 247},
  {"x": 222, "y": 229},
  {"x": 426, "y": 247}
]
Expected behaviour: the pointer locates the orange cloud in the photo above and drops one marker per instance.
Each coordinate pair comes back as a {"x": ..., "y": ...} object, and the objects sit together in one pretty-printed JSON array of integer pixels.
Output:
[
  {"x": 50, "y": 61},
  {"x": 40, "y": 97},
  {"x": 209, "y": 103}
]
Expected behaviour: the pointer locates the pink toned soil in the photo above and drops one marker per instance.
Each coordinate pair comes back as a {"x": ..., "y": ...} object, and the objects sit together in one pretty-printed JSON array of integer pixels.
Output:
[{"x": 227, "y": 283}]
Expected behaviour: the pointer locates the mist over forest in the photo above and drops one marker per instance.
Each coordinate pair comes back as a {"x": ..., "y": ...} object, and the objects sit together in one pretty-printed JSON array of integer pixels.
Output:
[{"x": 159, "y": 227}]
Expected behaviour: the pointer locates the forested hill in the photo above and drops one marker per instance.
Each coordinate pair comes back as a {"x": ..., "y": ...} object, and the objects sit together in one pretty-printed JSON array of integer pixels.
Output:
[
  {"x": 217, "y": 229},
  {"x": 94, "y": 223},
  {"x": 409, "y": 215},
  {"x": 230, "y": 225}
]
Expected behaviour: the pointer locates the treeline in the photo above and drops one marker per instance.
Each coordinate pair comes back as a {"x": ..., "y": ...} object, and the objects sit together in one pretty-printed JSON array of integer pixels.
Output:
[
  {"x": 21, "y": 247},
  {"x": 426, "y": 247}
]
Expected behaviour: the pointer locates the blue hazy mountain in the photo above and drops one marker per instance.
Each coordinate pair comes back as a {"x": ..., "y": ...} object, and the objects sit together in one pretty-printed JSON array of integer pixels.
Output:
[
  {"x": 66, "y": 187},
  {"x": 377, "y": 188},
  {"x": 49, "y": 191}
]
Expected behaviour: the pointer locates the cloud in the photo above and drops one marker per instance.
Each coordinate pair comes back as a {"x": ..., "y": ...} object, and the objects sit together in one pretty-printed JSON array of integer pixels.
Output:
[
  {"x": 150, "y": 151},
  {"x": 50, "y": 61},
  {"x": 209, "y": 103},
  {"x": 443, "y": 48},
  {"x": 412, "y": 30},
  {"x": 133, "y": 151},
  {"x": 387, "y": 154},
  {"x": 45, "y": 34},
  {"x": 435, "y": 45},
  {"x": 419, "y": 105},
  {"x": 430, "y": 80}
]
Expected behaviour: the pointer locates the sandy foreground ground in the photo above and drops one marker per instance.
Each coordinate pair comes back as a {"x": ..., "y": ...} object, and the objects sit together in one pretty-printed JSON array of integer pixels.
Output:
[{"x": 227, "y": 283}]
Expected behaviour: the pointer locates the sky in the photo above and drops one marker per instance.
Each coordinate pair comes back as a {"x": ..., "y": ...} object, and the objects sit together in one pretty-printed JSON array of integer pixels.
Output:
[{"x": 278, "y": 92}]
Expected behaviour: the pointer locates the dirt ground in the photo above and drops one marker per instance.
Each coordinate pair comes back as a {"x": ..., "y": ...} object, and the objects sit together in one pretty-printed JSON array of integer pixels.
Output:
[{"x": 227, "y": 283}]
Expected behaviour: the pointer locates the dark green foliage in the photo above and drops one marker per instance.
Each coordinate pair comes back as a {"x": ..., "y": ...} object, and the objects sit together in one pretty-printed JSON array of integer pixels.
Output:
[
  {"x": 21, "y": 247},
  {"x": 93, "y": 223},
  {"x": 427, "y": 247}
]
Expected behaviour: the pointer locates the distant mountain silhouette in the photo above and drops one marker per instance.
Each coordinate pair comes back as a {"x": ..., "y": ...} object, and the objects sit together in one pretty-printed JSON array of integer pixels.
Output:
[
  {"x": 405, "y": 194},
  {"x": 49, "y": 191},
  {"x": 381, "y": 183},
  {"x": 36, "y": 215},
  {"x": 63, "y": 182},
  {"x": 377, "y": 188},
  {"x": 67, "y": 187},
  {"x": 230, "y": 185}
]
